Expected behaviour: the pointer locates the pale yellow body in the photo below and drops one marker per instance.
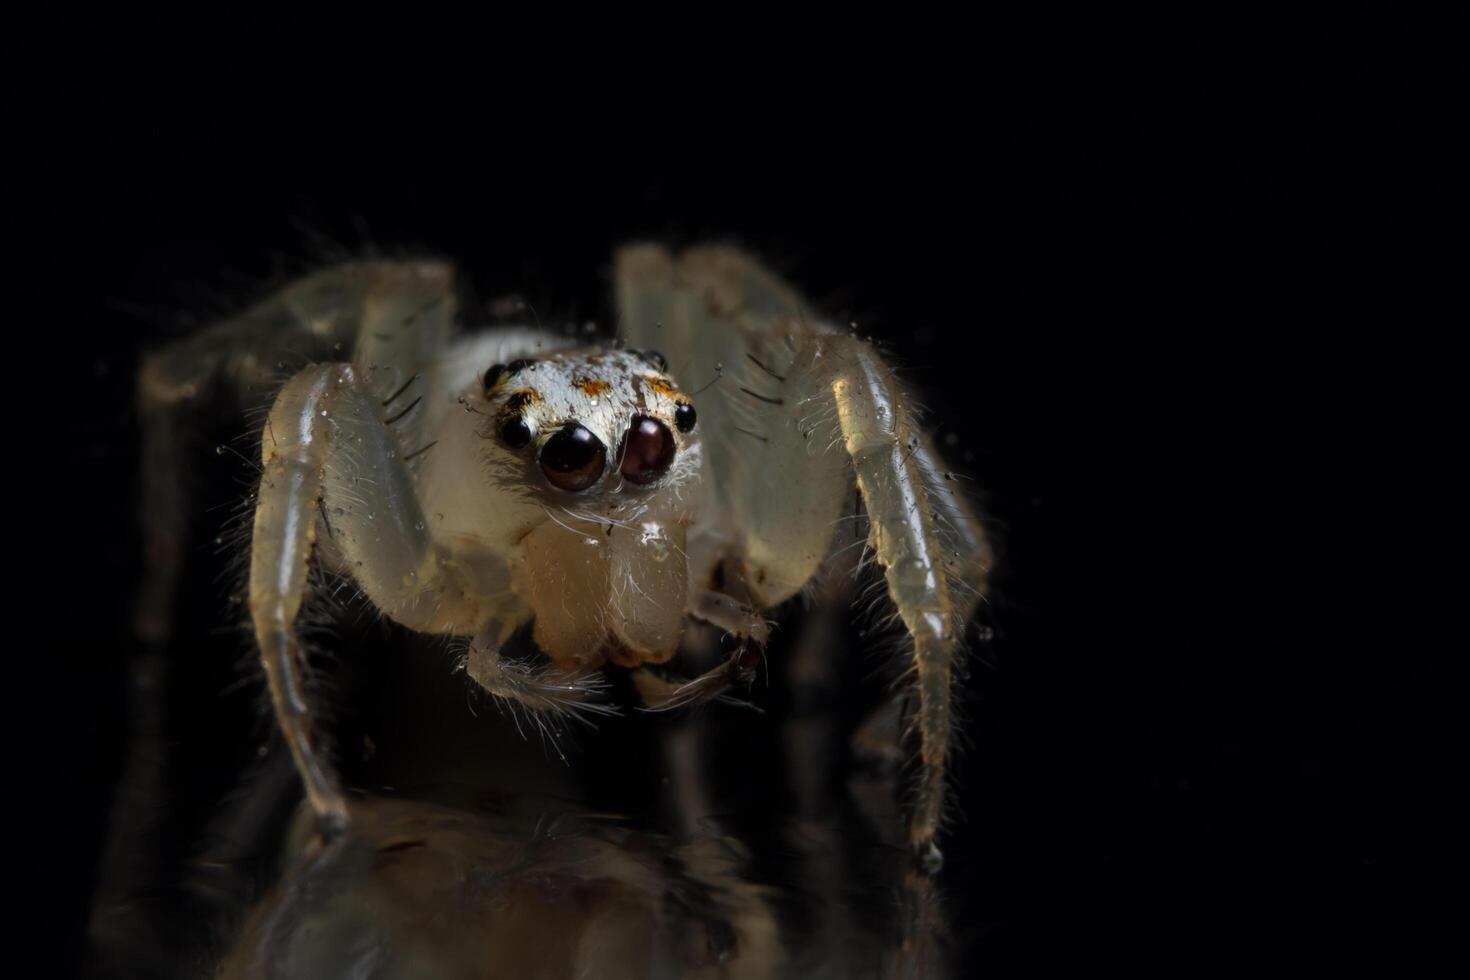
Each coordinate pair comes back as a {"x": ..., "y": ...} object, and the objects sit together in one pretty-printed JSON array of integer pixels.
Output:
[{"x": 392, "y": 467}]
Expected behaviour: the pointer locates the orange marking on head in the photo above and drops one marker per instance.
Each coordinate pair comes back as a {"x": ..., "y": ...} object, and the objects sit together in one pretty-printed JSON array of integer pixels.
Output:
[
  {"x": 591, "y": 387},
  {"x": 527, "y": 395},
  {"x": 660, "y": 386}
]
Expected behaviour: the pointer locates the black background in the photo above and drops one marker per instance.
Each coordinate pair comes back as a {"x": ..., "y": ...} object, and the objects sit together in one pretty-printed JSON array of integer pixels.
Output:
[{"x": 1117, "y": 281}]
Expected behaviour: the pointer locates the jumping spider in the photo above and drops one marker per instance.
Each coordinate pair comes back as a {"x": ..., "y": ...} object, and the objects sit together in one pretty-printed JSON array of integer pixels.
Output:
[{"x": 470, "y": 485}]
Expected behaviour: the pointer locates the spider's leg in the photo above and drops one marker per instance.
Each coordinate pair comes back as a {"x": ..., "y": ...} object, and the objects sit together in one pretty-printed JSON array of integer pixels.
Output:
[
  {"x": 934, "y": 560},
  {"x": 684, "y": 306},
  {"x": 795, "y": 393},
  {"x": 234, "y": 364},
  {"x": 831, "y": 415},
  {"x": 332, "y": 474},
  {"x": 705, "y": 310},
  {"x": 325, "y": 316},
  {"x": 934, "y": 568}
]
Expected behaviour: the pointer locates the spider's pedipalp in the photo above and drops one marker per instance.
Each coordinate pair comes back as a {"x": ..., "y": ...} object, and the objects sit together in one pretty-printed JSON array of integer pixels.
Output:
[{"x": 540, "y": 690}]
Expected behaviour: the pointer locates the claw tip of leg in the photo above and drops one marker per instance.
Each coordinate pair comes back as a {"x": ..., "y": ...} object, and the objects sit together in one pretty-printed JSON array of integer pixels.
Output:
[
  {"x": 332, "y": 824},
  {"x": 929, "y": 857}
]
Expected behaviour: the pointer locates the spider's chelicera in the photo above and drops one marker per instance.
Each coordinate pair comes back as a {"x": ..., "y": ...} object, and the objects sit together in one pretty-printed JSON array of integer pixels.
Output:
[{"x": 472, "y": 484}]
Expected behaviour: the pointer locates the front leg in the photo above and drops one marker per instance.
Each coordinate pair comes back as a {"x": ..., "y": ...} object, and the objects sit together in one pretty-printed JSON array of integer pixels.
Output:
[
  {"x": 326, "y": 451},
  {"x": 931, "y": 549},
  {"x": 828, "y": 414},
  {"x": 391, "y": 314}
]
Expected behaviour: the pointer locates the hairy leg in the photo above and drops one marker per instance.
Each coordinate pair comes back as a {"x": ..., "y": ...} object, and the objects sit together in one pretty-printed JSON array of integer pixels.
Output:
[
  {"x": 933, "y": 583},
  {"x": 235, "y": 364},
  {"x": 331, "y": 467},
  {"x": 325, "y": 316},
  {"x": 706, "y": 311},
  {"x": 804, "y": 406},
  {"x": 791, "y": 390}
]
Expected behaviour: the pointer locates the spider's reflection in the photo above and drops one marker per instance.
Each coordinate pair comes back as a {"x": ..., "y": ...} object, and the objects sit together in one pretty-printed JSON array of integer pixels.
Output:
[{"x": 420, "y": 890}]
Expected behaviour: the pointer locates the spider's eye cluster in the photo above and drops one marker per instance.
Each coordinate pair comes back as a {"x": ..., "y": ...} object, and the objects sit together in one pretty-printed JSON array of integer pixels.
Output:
[
  {"x": 647, "y": 450},
  {"x": 574, "y": 458}
]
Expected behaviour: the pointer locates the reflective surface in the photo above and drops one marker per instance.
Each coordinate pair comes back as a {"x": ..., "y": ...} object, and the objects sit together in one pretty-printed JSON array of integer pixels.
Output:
[{"x": 418, "y": 890}]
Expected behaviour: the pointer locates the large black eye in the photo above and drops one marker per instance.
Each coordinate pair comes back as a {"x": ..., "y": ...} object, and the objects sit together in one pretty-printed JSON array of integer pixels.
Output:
[
  {"x": 647, "y": 450},
  {"x": 684, "y": 416},
  {"x": 574, "y": 458}
]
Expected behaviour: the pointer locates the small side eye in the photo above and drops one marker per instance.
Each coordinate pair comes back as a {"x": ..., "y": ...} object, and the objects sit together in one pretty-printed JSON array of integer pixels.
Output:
[
  {"x": 654, "y": 359},
  {"x": 499, "y": 371},
  {"x": 574, "y": 458},
  {"x": 515, "y": 433},
  {"x": 685, "y": 416},
  {"x": 647, "y": 450}
]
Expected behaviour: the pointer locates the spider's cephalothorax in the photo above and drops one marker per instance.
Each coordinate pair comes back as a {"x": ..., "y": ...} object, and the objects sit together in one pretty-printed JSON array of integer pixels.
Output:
[
  {"x": 594, "y": 464},
  {"x": 472, "y": 484}
]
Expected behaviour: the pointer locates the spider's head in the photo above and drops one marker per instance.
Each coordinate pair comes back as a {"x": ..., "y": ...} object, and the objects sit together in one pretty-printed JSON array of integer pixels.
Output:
[
  {"x": 604, "y": 445},
  {"x": 594, "y": 423}
]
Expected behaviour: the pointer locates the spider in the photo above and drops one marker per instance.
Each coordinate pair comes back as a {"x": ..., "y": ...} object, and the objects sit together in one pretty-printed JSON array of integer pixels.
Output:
[{"x": 472, "y": 485}]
